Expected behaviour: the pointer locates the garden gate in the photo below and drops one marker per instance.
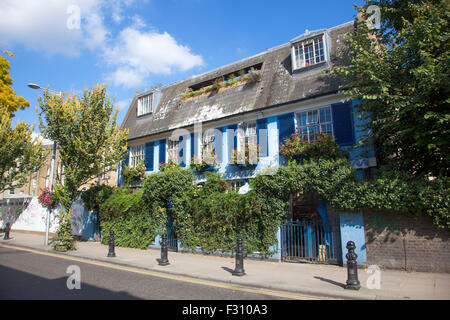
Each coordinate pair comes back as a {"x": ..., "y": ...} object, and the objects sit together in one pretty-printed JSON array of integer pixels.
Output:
[{"x": 307, "y": 240}]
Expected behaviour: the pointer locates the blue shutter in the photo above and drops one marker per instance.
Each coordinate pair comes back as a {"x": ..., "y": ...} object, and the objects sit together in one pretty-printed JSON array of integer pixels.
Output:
[
  {"x": 181, "y": 151},
  {"x": 192, "y": 145},
  {"x": 261, "y": 124},
  {"x": 127, "y": 158},
  {"x": 343, "y": 123},
  {"x": 149, "y": 156},
  {"x": 218, "y": 143},
  {"x": 286, "y": 126},
  {"x": 232, "y": 141},
  {"x": 162, "y": 151}
]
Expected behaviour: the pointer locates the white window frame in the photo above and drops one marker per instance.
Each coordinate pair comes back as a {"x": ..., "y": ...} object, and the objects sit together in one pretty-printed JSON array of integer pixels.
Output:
[
  {"x": 309, "y": 125},
  {"x": 137, "y": 153},
  {"x": 173, "y": 148},
  {"x": 208, "y": 140},
  {"x": 245, "y": 134},
  {"x": 235, "y": 185},
  {"x": 298, "y": 52},
  {"x": 145, "y": 104}
]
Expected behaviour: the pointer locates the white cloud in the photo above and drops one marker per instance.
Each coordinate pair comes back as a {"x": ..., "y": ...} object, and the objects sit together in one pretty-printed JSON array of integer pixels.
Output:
[
  {"x": 130, "y": 54},
  {"x": 123, "y": 104},
  {"x": 43, "y": 25},
  {"x": 136, "y": 54}
]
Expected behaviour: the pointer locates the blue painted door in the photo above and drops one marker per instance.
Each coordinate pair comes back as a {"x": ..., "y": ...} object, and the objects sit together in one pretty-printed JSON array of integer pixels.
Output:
[{"x": 90, "y": 226}]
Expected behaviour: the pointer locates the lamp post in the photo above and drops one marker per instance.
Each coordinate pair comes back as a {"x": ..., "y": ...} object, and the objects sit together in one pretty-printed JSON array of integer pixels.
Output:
[{"x": 52, "y": 170}]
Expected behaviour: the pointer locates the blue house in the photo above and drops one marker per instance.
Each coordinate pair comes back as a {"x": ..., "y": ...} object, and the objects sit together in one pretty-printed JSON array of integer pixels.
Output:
[{"x": 262, "y": 99}]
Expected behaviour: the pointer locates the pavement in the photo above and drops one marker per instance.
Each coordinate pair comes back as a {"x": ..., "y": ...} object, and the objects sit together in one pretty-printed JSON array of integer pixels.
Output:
[{"x": 314, "y": 280}]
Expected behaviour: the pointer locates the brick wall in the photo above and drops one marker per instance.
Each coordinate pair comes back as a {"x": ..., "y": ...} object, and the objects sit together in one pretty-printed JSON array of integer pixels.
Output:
[{"x": 397, "y": 241}]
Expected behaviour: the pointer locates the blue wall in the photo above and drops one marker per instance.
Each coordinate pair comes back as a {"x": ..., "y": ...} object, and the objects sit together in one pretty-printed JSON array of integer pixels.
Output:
[{"x": 352, "y": 229}]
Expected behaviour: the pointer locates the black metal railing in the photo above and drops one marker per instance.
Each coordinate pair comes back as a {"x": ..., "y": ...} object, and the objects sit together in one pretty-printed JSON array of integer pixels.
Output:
[{"x": 307, "y": 240}]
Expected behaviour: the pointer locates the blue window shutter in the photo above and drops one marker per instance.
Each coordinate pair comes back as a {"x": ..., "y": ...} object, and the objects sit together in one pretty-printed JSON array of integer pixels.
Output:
[
  {"x": 181, "y": 151},
  {"x": 127, "y": 158},
  {"x": 343, "y": 123},
  {"x": 286, "y": 126},
  {"x": 149, "y": 156},
  {"x": 218, "y": 143},
  {"x": 192, "y": 145},
  {"x": 261, "y": 124},
  {"x": 162, "y": 151},
  {"x": 232, "y": 141}
]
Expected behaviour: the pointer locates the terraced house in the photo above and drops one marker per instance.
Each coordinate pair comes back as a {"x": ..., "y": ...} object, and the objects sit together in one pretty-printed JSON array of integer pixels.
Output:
[{"x": 263, "y": 99}]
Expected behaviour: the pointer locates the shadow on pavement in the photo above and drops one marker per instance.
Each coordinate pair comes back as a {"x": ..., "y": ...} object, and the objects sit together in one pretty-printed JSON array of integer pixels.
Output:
[
  {"x": 332, "y": 282},
  {"x": 19, "y": 285}
]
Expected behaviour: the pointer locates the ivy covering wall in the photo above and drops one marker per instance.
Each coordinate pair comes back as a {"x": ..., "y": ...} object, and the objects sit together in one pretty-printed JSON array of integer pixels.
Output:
[{"x": 211, "y": 217}]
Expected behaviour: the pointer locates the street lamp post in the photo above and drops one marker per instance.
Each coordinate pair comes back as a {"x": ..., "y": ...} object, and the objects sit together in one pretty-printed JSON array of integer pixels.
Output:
[{"x": 52, "y": 170}]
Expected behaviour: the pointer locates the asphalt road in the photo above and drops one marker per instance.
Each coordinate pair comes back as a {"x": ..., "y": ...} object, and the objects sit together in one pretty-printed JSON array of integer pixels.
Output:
[{"x": 26, "y": 275}]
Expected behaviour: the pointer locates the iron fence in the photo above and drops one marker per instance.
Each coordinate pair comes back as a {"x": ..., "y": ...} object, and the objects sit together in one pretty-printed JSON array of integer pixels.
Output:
[{"x": 307, "y": 240}]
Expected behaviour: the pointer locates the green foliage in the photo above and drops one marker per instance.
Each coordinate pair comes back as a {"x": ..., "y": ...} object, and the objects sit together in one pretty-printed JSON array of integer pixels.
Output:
[
  {"x": 64, "y": 240},
  {"x": 254, "y": 76},
  {"x": 20, "y": 154},
  {"x": 162, "y": 188},
  {"x": 134, "y": 225},
  {"x": 133, "y": 175},
  {"x": 9, "y": 102},
  {"x": 206, "y": 161},
  {"x": 95, "y": 196},
  {"x": 400, "y": 74},
  {"x": 212, "y": 217},
  {"x": 398, "y": 192},
  {"x": 324, "y": 147},
  {"x": 86, "y": 132}
]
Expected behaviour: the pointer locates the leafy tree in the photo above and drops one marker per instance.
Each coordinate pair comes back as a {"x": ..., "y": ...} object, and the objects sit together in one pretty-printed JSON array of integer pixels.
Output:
[
  {"x": 89, "y": 139},
  {"x": 9, "y": 102},
  {"x": 20, "y": 154},
  {"x": 400, "y": 74}
]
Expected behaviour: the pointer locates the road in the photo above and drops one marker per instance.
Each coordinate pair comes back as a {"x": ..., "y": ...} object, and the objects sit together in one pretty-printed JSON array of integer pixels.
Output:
[{"x": 34, "y": 275}]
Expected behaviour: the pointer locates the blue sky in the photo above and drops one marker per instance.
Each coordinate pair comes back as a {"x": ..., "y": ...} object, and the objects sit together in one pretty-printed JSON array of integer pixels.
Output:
[{"x": 132, "y": 45}]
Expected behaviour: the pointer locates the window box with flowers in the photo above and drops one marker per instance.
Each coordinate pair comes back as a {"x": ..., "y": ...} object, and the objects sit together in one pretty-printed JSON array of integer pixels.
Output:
[
  {"x": 247, "y": 157},
  {"x": 207, "y": 163},
  {"x": 297, "y": 147}
]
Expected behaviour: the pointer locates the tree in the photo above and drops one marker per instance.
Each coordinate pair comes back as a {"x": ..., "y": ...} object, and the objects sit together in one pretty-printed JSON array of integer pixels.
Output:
[
  {"x": 89, "y": 139},
  {"x": 20, "y": 154},
  {"x": 400, "y": 73}
]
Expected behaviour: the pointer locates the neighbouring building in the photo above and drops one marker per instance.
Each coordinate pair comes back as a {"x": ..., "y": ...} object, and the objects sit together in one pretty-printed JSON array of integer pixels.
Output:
[
  {"x": 20, "y": 206},
  {"x": 284, "y": 91}
]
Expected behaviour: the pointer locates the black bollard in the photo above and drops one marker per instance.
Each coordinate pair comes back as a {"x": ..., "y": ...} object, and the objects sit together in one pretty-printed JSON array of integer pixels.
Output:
[
  {"x": 7, "y": 228},
  {"x": 164, "y": 261},
  {"x": 352, "y": 267},
  {"x": 239, "y": 270},
  {"x": 111, "y": 252}
]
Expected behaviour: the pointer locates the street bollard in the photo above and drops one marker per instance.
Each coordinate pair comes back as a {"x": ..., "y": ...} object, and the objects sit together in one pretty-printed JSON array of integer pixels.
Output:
[
  {"x": 352, "y": 268},
  {"x": 7, "y": 228},
  {"x": 164, "y": 261},
  {"x": 239, "y": 270},
  {"x": 111, "y": 252}
]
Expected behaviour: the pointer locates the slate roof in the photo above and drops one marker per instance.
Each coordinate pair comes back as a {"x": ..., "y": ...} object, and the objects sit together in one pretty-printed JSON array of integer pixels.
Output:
[{"x": 278, "y": 85}]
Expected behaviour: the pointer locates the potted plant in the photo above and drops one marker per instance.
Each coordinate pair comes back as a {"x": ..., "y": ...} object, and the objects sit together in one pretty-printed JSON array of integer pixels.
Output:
[
  {"x": 247, "y": 156},
  {"x": 208, "y": 162},
  {"x": 48, "y": 199}
]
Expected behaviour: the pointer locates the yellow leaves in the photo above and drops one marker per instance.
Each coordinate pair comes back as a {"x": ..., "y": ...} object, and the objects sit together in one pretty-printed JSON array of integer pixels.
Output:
[{"x": 9, "y": 102}]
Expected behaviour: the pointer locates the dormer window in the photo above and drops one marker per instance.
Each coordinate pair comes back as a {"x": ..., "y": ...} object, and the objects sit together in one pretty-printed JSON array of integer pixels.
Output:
[
  {"x": 145, "y": 105},
  {"x": 309, "y": 52},
  {"x": 148, "y": 101}
]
